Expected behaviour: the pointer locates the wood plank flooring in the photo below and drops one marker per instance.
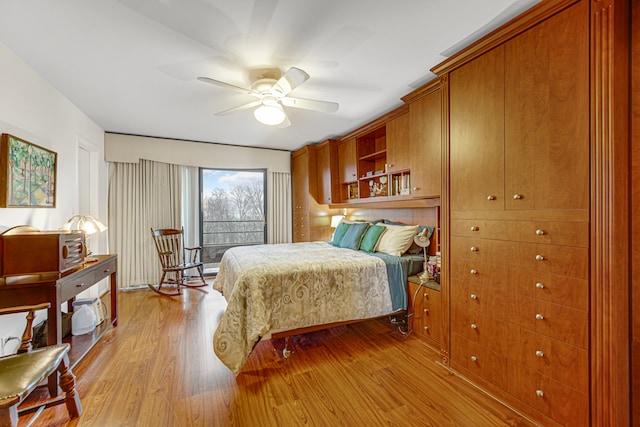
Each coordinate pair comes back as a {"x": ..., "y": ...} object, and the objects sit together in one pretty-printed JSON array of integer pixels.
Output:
[{"x": 158, "y": 368}]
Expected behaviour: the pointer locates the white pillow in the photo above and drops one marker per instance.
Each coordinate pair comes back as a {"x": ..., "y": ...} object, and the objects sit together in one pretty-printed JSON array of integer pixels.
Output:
[{"x": 396, "y": 239}]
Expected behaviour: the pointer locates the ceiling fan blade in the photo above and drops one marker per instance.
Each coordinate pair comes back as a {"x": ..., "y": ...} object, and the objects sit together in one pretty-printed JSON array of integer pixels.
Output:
[
  {"x": 310, "y": 104},
  {"x": 239, "y": 108},
  {"x": 229, "y": 86},
  {"x": 293, "y": 78}
]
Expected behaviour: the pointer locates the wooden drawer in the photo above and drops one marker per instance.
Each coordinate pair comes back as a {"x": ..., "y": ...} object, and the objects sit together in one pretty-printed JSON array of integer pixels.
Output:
[
  {"x": 557, "y": 321},
  {"x": 77, "y": 283},
  {"x": 480, "y": 361},
  {"x": 428, "y": 312},
  {"x": 560, "y": 260},
  {"x": 492, "y": 334},
  {"x": 564, "y": 362},
  {"x": 106, "y": 270},
  {"x": 544, "y": 286},
  {"x": 554, "y": 399},
  {"x": 562, "y": 233},
  {"x": 491, "y": 302}
]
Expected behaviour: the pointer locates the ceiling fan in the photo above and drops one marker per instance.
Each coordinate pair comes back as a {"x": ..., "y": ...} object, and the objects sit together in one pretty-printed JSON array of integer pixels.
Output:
[{"x": 271, "y": 88}]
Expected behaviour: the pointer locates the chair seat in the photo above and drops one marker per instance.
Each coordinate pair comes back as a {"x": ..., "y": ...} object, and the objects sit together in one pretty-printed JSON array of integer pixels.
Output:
[{"x": 21, "y": 373}]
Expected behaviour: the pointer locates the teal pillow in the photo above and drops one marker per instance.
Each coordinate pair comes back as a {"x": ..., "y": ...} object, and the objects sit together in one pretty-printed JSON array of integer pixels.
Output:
[
  {"x": 353, "y": 236},
  {"x": 370, "y": 238},
  {"x": 338, "y": 235}
]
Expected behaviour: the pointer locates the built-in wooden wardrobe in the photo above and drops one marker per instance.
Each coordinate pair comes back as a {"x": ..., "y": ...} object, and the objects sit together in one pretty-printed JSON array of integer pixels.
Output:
[{"x": 534, "y": 193}]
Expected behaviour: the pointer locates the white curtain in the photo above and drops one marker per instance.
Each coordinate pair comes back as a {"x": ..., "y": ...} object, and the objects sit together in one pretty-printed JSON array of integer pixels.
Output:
[
  {"x": 141, "y": 196},
  {"x": 279, "y": 207},
  {"x": 191, "y": 205}
]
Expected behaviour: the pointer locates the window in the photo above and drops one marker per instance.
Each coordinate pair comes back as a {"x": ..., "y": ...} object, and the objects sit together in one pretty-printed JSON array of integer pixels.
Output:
[{"x": 232, "y": 212}]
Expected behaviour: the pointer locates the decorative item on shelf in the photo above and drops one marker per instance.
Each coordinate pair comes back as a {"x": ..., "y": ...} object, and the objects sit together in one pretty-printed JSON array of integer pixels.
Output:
[
  {"x": 423, "y": 241},
  {"x": 335, "y": 220},
  {"x": 88, "y": 225},
  {"x": 352, "y": 191},
  {"x": 378, "y": 188}
]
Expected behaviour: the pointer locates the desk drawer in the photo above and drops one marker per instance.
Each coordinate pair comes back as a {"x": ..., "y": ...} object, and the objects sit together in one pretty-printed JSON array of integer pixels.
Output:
[
  {"x": 106, "y": 270},
  {"x": 76, "y": 284}
]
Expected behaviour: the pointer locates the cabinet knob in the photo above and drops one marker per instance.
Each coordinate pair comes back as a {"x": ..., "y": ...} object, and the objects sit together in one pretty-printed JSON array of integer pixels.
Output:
[
  {"x": 416, "y": 188},
  {"x": 517, "y": 196},
  {"x": 473, "y": 296},
  {"x": 474, "y": 249},
  {"x": 426, "y": 328},
  {"x": 539, "y": 258},
  {"x": 473, "y": 271},
  {"x": 540, "y": 285},
  {"x": 539, "y": 353},
  {"x": 425, "y": 295},
  {"x": 490, "y": 197},
  {"x": 474, "y": 228},
  {"x": 539, "y": 393},
  {"x": 474, "y": 326},
  {"x": 540, "y": 232},
  {"x": 539, "y": 316},
  {"x": 474, "y": 358},
  {"x": 426, "y": 310}
]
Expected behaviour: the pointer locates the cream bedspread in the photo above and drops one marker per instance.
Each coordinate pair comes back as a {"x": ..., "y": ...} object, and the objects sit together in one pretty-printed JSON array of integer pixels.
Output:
[{"x": 275, "y": 288}]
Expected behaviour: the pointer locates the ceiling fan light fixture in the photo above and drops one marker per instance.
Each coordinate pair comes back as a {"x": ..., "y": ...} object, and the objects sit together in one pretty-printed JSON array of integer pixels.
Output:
[{"x": 271, "y": 115}]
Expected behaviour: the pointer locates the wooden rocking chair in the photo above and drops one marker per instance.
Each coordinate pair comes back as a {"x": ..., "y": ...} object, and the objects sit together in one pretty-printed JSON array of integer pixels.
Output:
[{"x": 175, "y": 259}]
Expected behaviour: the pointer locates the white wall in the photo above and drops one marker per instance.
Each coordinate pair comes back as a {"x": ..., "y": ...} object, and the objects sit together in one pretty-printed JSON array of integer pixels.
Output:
[{"x": 31, "y": 109}]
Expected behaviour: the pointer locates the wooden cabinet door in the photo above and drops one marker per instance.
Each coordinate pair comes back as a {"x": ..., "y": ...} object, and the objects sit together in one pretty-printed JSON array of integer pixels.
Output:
[
  {"x": 398, "y": 149},
  {"x": 326, "y": 168},
  {"x": 547, "y": 114},
  {"x": 300, "y": 196},
  {"x": 347, "y": 161},
  {"x": 476, "y": 157},
  {"x": 425, "y": 135}
]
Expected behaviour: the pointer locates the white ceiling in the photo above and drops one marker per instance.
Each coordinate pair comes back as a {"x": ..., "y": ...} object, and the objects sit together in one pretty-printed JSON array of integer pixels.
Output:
[{"x": 131, "y": 65}]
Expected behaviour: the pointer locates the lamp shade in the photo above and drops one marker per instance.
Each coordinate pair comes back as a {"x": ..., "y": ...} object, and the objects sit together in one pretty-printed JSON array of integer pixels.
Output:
[
  {"x": 335, "y": 220},
  {"x": 85, "y": 223},
  {"x": 269, "y": 114}
]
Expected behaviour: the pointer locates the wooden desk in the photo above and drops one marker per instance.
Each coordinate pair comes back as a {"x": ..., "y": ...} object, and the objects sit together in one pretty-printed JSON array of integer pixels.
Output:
[{"x": 57, "y": 289}]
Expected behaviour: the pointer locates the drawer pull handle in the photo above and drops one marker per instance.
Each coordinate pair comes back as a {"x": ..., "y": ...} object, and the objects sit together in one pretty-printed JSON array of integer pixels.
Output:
[
  {"x": 426, "y": 310},
  {"x": 473, "y": 296},
  {"x": 474, "y": 228},
  {"x": 426, "y": 328},
  {"x": 474, "y": 272},
  {"x": 491, "y": 197},
  {"x": 107, "y": 270},
  {"x": 425, "y": 295},
  {"x": 416, "y": 188},
  {"x": 474, "y": 249},
  {"x": 474, "y": 358},
  {"x": 474, "y": 326},
  {"x": 79, "y": 285},
  {"x": 540, "y": 232},
  {"x": 539, "y": 393},
  {"x": 540, "y": 285},
  {"x": 517, "y": 196},
  {"x": 539, "y": 258},
  {"x": 539, "y": 353},
  {"x": 539, "y": 316}
]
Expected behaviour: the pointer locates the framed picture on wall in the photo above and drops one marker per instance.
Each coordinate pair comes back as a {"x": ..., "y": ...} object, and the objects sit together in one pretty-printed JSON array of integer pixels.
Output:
[{"x": 27, "y": 174}]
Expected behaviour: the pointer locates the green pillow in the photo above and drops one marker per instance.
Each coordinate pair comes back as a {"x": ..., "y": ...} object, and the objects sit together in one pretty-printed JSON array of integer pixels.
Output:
[
  {"x": 370, "y": 238},
  {"x": 338, "y": 235},
  {"x": 353, "y": 236}
]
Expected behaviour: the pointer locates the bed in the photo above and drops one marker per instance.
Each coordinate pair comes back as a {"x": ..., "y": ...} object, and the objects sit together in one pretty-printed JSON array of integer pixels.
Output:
[{"x": 282, "y": 289}]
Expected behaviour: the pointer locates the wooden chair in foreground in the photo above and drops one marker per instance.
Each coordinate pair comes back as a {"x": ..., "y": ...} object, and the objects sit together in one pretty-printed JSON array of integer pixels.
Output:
[
  {"x": 175, "y": 259},
  {"x": 21, "y": 373}
]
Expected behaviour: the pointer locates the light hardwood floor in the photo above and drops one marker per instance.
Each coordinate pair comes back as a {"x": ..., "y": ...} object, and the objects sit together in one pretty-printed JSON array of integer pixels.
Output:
[{"x": 158, "y": 368}]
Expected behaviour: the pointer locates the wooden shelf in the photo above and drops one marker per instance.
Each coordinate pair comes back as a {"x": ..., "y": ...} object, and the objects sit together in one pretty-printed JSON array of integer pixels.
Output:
[
  {"x": 388, "y": 202},
  {"x": 377, "y": 155},
  {"x": 81, "y": 344}
]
